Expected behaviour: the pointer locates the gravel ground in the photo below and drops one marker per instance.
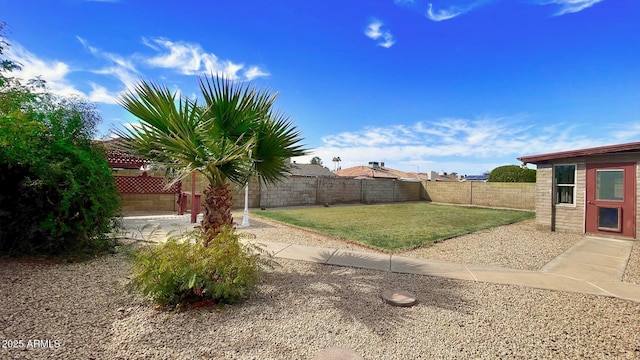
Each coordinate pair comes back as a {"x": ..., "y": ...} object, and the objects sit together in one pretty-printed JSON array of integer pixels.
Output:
[
  {"x": 302, "y": 308},
  {"x": 515, "y": 246},
  {"x": 86, "y": 312},
  {"x": 632, "y": 273}
]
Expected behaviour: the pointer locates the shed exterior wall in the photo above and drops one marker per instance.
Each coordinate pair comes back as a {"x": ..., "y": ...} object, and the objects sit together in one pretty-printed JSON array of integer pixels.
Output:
[{"x": 569, "y": 218}]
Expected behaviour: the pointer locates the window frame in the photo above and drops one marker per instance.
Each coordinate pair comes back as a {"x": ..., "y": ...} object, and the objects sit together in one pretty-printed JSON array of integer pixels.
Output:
[{"x": 573, "y": 186}]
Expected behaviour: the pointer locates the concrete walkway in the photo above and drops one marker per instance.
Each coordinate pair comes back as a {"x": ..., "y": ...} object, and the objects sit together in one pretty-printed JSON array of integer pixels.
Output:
[
  {"x": 592, "y": 266},
  {"x": 569, "y": 272}
]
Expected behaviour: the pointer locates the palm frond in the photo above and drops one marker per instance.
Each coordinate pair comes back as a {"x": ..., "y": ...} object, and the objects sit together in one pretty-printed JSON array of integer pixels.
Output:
[
  {"x": 277, "y": 140},
  {"x": 231, "y": 136}
]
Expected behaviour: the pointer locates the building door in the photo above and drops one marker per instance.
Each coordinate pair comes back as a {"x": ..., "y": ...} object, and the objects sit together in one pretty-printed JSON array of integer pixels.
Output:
[{"x": 611, "y": 199}]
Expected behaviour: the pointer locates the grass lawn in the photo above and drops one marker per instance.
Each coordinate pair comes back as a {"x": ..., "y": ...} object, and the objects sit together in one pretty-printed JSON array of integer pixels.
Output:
[{"x": 397, "y": 226}]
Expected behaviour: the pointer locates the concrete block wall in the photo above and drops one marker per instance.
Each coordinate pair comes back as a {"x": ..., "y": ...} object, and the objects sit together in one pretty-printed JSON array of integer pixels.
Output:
[
  {"x": 407, "y": 191},
  {"x": 507, "y": 195},
  {"x": 254, "y": 195},
  {"x": 448, "y": 192},
  {"x": 133, "y": 204},
  {"x": 292, "y": 191},
  {"x": 377, "y": 191},
  {"x": 302, "y": 190},
  {"x": 338, "y": 190},
  {"x": 544, "y": 197},
  {"x": 144, "y": 203}
]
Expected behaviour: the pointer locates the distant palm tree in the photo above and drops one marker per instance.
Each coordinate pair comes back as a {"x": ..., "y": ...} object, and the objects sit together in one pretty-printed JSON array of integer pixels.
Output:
[{"x": 235, "y": 134}]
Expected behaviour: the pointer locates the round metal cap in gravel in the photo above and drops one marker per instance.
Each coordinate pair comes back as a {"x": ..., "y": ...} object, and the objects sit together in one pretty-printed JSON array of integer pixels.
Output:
[
  {"x": 337, "y": 353},
  {"x": 399, "y": 297}
]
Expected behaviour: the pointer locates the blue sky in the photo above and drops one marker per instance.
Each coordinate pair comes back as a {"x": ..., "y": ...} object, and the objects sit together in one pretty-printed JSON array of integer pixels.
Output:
[{"x": 457, "y": 86}]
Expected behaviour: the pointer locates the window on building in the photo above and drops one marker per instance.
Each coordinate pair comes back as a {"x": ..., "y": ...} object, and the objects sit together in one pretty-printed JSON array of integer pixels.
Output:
[
  {"x": 565, "y": 182},
  {"x": 609, "y": 185}
]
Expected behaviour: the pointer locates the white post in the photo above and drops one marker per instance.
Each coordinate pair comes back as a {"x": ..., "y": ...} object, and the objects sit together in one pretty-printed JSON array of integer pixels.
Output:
[{"x": 245, "y": 216}]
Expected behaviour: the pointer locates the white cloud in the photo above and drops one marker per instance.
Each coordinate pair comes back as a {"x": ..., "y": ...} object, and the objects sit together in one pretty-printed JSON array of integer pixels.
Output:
[
  {"x": 388, "y": 40},
  {"x": 375, "y": 32},
  {"x": 100, "y": 94},
  {"x": 254, "y": 72},
  {"x": 373, "y": 29},
  {"x": 454, "y": 10},
  {"x": 191, "y": 59},
  {"x": 54, "y": 72},
  {"x": 440, "y": 15},
  {"x": 453, "y": 144},
  {"x": 119, "y": 67},
  {"x": 571, "y": 6},
  {"x": 631, "y": 132},
  {"x": 460, "y": 7}
]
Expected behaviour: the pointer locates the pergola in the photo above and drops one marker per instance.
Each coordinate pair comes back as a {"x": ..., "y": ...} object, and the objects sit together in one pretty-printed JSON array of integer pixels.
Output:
[{"x": 120, "y": 160}]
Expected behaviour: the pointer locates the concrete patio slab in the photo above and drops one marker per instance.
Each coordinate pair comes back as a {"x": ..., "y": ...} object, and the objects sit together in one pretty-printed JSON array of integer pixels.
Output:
[
  {"x": 621, "y": 290},
  {"x": 306, "y": 253},
  {"x": 595, "y": 259},
  {"x": 361, "y": 260},
  {"x": 406, "y": 265},
  {"x": 604, "y": 246},
  {"x": 600, "y": 260},
  {"x": 584, "y": 270}
]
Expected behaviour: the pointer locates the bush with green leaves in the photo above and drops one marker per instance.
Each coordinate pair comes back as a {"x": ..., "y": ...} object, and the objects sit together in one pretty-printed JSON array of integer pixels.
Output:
[
  {"x": 512, "y": 173},
  {"x": 58, "y": 195},
  {"x": 183, "y": 269}
]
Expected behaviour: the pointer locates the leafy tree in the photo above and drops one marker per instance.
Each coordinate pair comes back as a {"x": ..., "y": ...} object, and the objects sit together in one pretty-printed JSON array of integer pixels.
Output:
[
  {"x": 512, "y": 173},
  {"x": 58, "y": 194},
  {"x": 6, "y": 65},
  {"x": 316, "y": 160},
  {"x": 233, "y": 135}
]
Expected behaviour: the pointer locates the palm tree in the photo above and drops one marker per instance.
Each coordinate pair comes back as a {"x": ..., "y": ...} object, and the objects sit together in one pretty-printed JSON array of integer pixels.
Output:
[{"x": 234, "y": 135}]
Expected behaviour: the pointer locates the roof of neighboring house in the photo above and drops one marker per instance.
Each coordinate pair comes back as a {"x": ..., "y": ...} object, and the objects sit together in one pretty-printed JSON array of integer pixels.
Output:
[
  {"x": 449, "y": 178},
  {"x": 476, "y": 178},
  {"x": 381, "y": 172},
  {"x": 309, "y": 170},
  {"x": 602, "y": 150},
  {"x": 366, "y": 172}
]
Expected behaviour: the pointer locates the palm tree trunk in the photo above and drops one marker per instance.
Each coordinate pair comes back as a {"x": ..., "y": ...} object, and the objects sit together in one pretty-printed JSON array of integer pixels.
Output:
[{"x": 217, "y": 210}]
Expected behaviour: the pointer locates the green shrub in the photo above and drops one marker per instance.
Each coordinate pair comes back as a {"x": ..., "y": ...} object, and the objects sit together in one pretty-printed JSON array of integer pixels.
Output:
[
  {"x": 512, "y": 173},
  {"x": 58, "y": 194},
  {"x": 184, "y": 270}
]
